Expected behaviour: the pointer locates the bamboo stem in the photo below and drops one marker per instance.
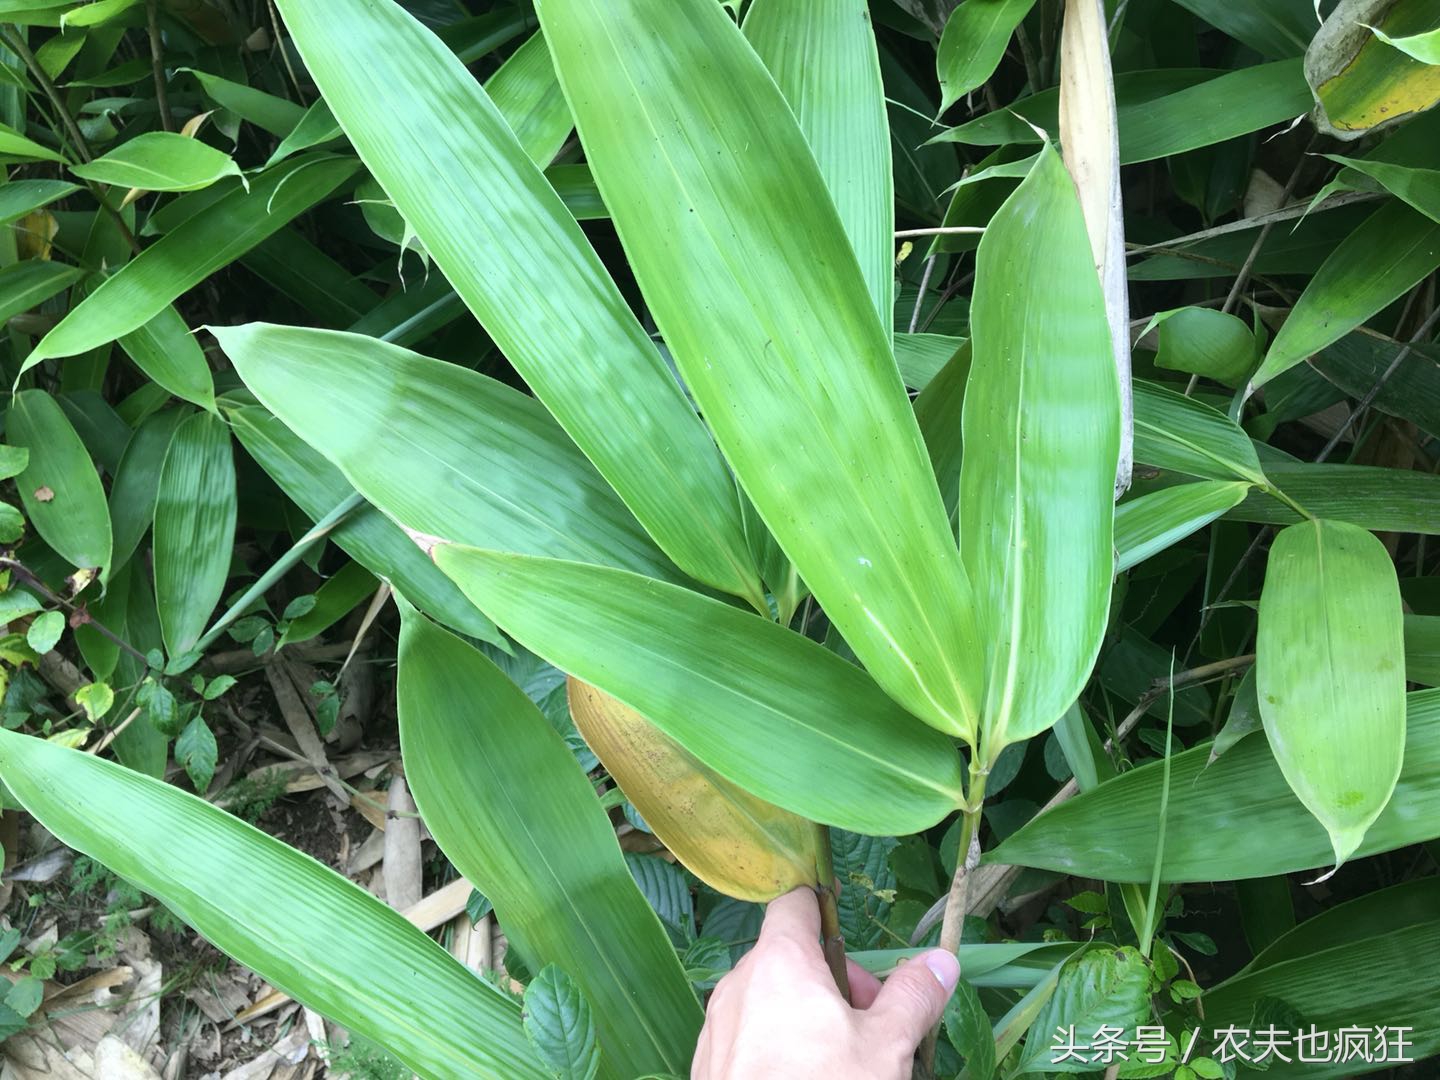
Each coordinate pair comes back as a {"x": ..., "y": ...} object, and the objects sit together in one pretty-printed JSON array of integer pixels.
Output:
[{"x": 832, "y": 936}]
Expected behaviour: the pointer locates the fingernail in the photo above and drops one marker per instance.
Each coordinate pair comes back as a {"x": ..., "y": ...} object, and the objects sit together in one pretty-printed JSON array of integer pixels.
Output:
[{"x": 944, "y": 967}]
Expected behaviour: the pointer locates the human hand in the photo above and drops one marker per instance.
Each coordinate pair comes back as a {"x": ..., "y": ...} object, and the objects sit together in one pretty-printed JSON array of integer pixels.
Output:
[{"x": 778, "y": 1014}]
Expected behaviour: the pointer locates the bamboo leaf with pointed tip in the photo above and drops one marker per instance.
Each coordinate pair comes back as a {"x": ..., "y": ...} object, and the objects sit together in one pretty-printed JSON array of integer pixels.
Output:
[
  {"x": 160, "y": 161},
  {"x": 30, "y": 282},
  {"x": 512, "y": 810},
  {"x": 1042, "y": 438},
  {"x": 1418, "y": 187},
  {"x": 375, "y": 541},
  {"x": 1111, "y": 832},
  {"x": 137, "y": 480},
  {"x": 742, "y": 257},
  {"x": 195, "y": 509},
  {"x": 165, "y": 350},
  {"x": 298, "y": 924},
  {"x": 1151, "y": 523},
  {"x": 473, "y": 445},
  {"x": 823, "y": 56},
  {"x": 973, "y": 44},
  {"x": 59, "y": 488},
  {"x": 21, "y": 197},
  {"x": 520, "y": 262},
  {"x": 191, "y": 252},
  {"x": 1173, "y": 431},
  {"x": 1330, "y": 673},
  {"x": 766, "y": 708},
  {"x": 737, "y": 844},
  {"x": 1424, "y": 47},
  {"x": 1367, "y": 271}
]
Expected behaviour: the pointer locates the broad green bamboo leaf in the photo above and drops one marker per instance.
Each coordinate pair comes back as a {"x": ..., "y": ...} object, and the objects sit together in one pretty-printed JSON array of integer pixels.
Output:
[
  {"x": 1380, "y": 261},
  {"x": 1381, "y": 912},
  {"x": 1422, "y": 649},
  {"x": 528, "y": 95},
  {"x": 1201, "y": 341},
  {"x": 1163, "y": 113},
  {"x": 165, "y": 350},
  {"x": 1382, "y": 500},
  {"x": 274, "y": 114},
  {"x": 21, "y": 197},
  {"x": 1090, "y": 140},
  {"x": 513, "y": 811},
  {"x": 1385, "y": 981},
  {"x": 1276, "y": 29},
  {"x": 520, "y": 262},
  {"x": 921, "y": 356},
  {"x": 1330, "y": 672},
  {"x": 193, "y": 251},
  {"x": 474, "y": 446},
  {"x": 1423, "y": 47},
  {"x": 822, "y": 55},
  {"x": 298, "y": 924},
  {"x": 766, "y": 708},
  {"x": 1362, "y": 82},
  {"x": 1418, "y": 187},
  {"x": 316, "y": 128},
  {"x": 1111, "y": 833},
  {"x": 375, "y": 541},
  {"x": 132, "y": 494},
  {"x": 1176, "y": 432},
  {"x": 30, "y": 282},
  {"x": 194, "y": 529},
  {"x": 1042, "y": 437},
  {"x": 744, "y": 262},
  {"x": 160, "y": 161},
  {"x": 59, "y": 488},
  {"x": 13, "y": 144},
  {"x": 973, "y": 44},
  {"x": 735, "y": 843},
  {"x": 96, "y": 12},
  {"x": 1151, "y": 523}
]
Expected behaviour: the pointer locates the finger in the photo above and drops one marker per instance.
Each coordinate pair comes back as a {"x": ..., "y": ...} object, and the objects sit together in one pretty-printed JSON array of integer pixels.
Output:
[
  {"x": 863, "y": 985},
  {"x": 912, "y": 1000},
  {"x": 794, "y": 916}
]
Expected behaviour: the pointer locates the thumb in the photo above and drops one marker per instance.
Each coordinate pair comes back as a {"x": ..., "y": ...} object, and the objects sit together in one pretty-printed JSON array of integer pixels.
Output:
[{"x": 913, "y": 999}]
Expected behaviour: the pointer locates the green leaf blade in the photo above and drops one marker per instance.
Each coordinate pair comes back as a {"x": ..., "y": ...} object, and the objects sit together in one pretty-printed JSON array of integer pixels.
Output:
[
  {"x": 1042, "y": 438},
  {"x": 744, "y": 262},
  {"x": 59, "y": 487},
  {"x": 764, "y": 707},
  {"x": 300, "y": 925},
  {"x": 520, "y": 262},
  {"x": 510, "y": 807},
  {"x": 1330, "y": 673},
  {"x": 195, "y": 511}
]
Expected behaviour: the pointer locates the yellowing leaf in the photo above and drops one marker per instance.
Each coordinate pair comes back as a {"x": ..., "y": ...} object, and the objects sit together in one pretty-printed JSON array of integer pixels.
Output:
[
  {"x": 735, "y": 843},
  {"x": 1361, "y": 80}
]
